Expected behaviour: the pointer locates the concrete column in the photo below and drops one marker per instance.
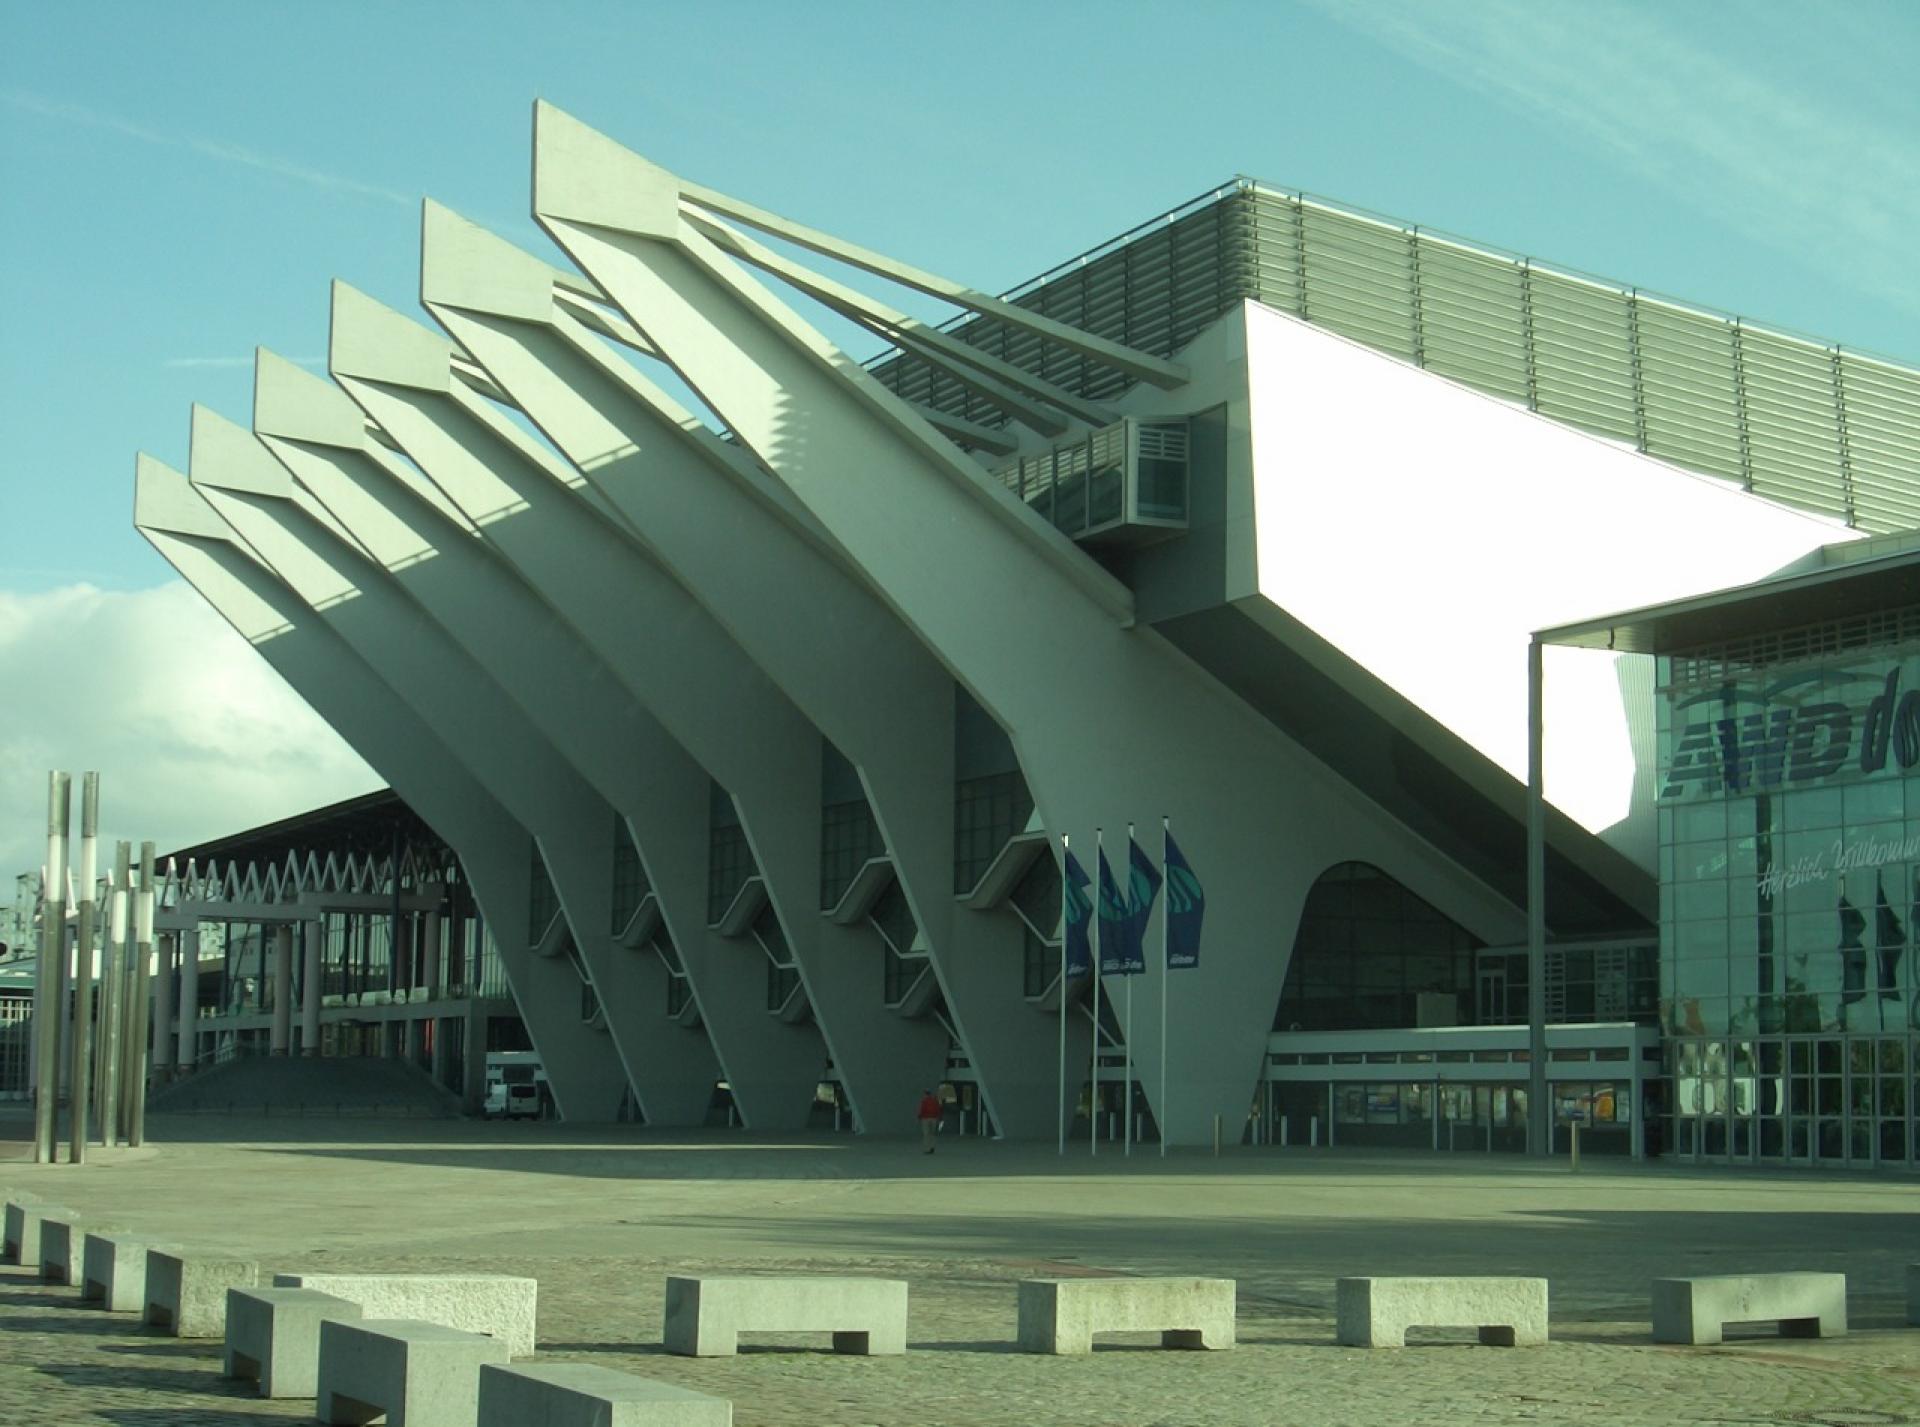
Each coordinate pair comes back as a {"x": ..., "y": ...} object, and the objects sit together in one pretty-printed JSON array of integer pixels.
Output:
[
  {"x": 409, "y": 752},
  {"x": 280, "y": 1038},
  {"x": 310, "y": 1008},
  {"x": 411, "y": 1049},
  {"x": 430, "y": 961},
  {"x": 185, "y": 1054},
  {"x": 437, "y": 1066},
  {"x": 163, "y": 1034}
]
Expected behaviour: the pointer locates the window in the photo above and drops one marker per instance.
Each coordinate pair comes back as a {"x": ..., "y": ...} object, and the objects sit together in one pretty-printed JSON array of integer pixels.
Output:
[
  {"x": 849, "y": 838},
  {"x": 1366, "y": 949},
  {"x": 629, "y": 877},
  {"x": 543, "y": 902},
  {"x": 987, "y": 811}
]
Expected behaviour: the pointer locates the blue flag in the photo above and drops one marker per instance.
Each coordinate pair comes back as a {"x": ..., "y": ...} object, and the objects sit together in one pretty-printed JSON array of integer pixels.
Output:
[
  {"x": 1143, "y": 885},
  {"x": 1076, "y": 926},
  {"x": 1186, "y": 907},
  {"x": 1115, "y": 923}
]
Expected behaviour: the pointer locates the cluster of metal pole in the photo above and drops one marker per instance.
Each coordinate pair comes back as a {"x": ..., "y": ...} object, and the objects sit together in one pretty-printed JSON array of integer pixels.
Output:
[{"x": 103, "y": 1018}]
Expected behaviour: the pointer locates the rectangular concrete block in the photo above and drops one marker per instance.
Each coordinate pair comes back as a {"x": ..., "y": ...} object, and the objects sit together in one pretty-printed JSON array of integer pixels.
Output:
[
  {"x": 1061, "y": 1315},
  {"x": 496, "y": 1304},
  {"x": 417, "y": 1374},
  {"x": 273, "y": 1337},
  {"x": 60, "y": 1240},
  {"x": 113, "y": 1271},
  {"x": 706, "y": 1316},
  {"x": 583, "y": 1395},
  {"x": 187, "y": 1292},
  {"x": 21, "y": 1243},
  {"x": 1376, "y": 1312},
  {"x": 1697, "y": 1310}
]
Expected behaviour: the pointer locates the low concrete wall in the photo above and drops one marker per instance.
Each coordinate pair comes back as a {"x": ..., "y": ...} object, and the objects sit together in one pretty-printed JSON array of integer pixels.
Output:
[
  {"x": 1376, "y": 1312},
  {"x": 419, "y": 1374},
  {"x": 584, "y": 1395},
  {"x": 273, "y": 1336},
  {"x": 113, "y": 1271},
  {"x": 187, "y": 1292},
  {"x": 496, "y": 1304},
  {"x": 1696, "y": 1310},
  {"x": 60, "y": 1241},
  {"x": 706, "y": 1316},
  {"x": 22, "y": 1234},
  {"x": 1061, "y": 1315}
]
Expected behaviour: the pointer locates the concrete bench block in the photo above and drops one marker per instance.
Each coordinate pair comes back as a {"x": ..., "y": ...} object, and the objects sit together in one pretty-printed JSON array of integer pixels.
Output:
[
  {"x": 417, "y": 1374},
  {"x": 582, "y": 1395},
  {"x": 1061, "y": 1315},
  {"x": 1697, "y": 1310},
  {"x": 273, "y": 1336},
  {"x": 706, "y": 1316},
  {"x": 113, "y": 1271},
  {"x": 496, "y": 1304},
  {"x": 187, "y": 1292},
  {"x": 60, "y": 1240},
  {"x": 1376, "y": 1312},
  {"x": 22, "y": 1233}
]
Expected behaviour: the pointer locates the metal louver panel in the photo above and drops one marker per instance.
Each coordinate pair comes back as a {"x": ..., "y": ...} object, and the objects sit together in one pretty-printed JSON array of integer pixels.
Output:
[{"x": 1798, "y": 421}]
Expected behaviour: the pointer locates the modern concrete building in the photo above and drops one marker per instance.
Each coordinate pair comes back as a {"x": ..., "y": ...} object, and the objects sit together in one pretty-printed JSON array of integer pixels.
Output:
[{"x": 761, "y": 685}]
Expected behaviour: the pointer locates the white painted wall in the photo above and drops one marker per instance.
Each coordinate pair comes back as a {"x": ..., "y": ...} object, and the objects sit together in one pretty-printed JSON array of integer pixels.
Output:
[{"x": 1426, "y": 530}]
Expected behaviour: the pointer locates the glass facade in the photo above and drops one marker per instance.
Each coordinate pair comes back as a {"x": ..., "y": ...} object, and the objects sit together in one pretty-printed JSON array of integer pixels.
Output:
[
  {"x": 1789, "y": 819},
  {"x": 1366, "y": 950}
]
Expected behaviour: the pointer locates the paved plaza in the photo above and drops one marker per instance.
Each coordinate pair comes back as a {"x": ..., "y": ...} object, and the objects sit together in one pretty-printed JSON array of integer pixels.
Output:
[{"x": 601, "y": 1216}]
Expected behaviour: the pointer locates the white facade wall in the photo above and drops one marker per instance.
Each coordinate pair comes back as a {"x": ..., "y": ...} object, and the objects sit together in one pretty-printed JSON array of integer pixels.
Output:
[{"x": 1425, "y": 530}]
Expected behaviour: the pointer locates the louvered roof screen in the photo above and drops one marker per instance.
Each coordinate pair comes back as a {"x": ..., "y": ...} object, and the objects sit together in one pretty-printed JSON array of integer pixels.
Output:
[{"x": 1799, "y": 421}]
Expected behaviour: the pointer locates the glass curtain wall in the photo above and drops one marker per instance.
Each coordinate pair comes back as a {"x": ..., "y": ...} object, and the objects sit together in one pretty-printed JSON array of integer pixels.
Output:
[{"x": 1789, "y": 816}]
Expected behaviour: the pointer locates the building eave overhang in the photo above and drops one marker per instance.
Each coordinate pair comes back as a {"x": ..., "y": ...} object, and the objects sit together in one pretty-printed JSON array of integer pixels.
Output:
[{"x": 1838, "y": 590}]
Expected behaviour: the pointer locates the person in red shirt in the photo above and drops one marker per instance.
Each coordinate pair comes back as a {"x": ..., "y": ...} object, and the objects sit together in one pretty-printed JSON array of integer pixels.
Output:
[{"x": 929, "y": 1115}]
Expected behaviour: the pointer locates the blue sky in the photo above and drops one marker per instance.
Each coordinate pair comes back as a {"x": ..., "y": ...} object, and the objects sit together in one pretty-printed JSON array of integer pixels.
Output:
[{"x": 182, "y": 180}]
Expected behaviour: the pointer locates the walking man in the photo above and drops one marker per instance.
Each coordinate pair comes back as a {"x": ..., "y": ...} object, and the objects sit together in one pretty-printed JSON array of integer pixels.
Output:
[{"x": 929, "y": 1115}]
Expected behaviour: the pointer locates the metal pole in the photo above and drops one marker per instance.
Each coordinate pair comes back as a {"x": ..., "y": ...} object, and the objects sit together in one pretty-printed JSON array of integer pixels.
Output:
[
  {"x": 137, "y": 1024},
  {"x": 311, "y": 978},
  {"x": 113, "y": 998},
  {"x": 1126, "y": 1092},
  {"x": 280, "y": 1037},
  {"x": 1537, "y": 1107},
  {"x": 163, "y": 1006},
  {"x": 79, "y": 1042},
  {"x": 187, "y": 1003},
  {"x": 1066, "y": 891},
  {"x": 53, "y": 946},
  {"x": 1166, "y": 986},
  {"x": 1093, "y": 1086}
]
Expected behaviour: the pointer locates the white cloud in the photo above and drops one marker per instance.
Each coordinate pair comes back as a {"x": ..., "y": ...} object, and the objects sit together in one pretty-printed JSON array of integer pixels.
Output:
[
  {"x": 192, "y": 733},
  {"x": 1819, "y": 174},
  {"x": 67, "y": 113}
]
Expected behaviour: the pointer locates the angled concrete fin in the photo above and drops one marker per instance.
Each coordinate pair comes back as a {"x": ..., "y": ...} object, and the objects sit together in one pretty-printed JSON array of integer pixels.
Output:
[
  {"x": 368, "y": 339},
  {"x": 164, "y": 500},
  {"x": 292, "y": 402},
  {"x": 582, "y": 175},
  {"x": 464, "y": 265},
  {"x": 224, "y": 454}
]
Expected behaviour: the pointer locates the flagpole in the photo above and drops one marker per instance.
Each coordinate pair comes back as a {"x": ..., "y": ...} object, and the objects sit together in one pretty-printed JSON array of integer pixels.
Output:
[
  {"x": 1126, "y": 1093},
  {"x": 1066, "y": 851},
  {"x": 1166, "y": 985},
  {"x": 1093, "y": 1092}
]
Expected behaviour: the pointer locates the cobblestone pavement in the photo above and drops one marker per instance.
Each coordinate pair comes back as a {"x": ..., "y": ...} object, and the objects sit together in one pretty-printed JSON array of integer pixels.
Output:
[{"x": 600, "y": 1217}]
